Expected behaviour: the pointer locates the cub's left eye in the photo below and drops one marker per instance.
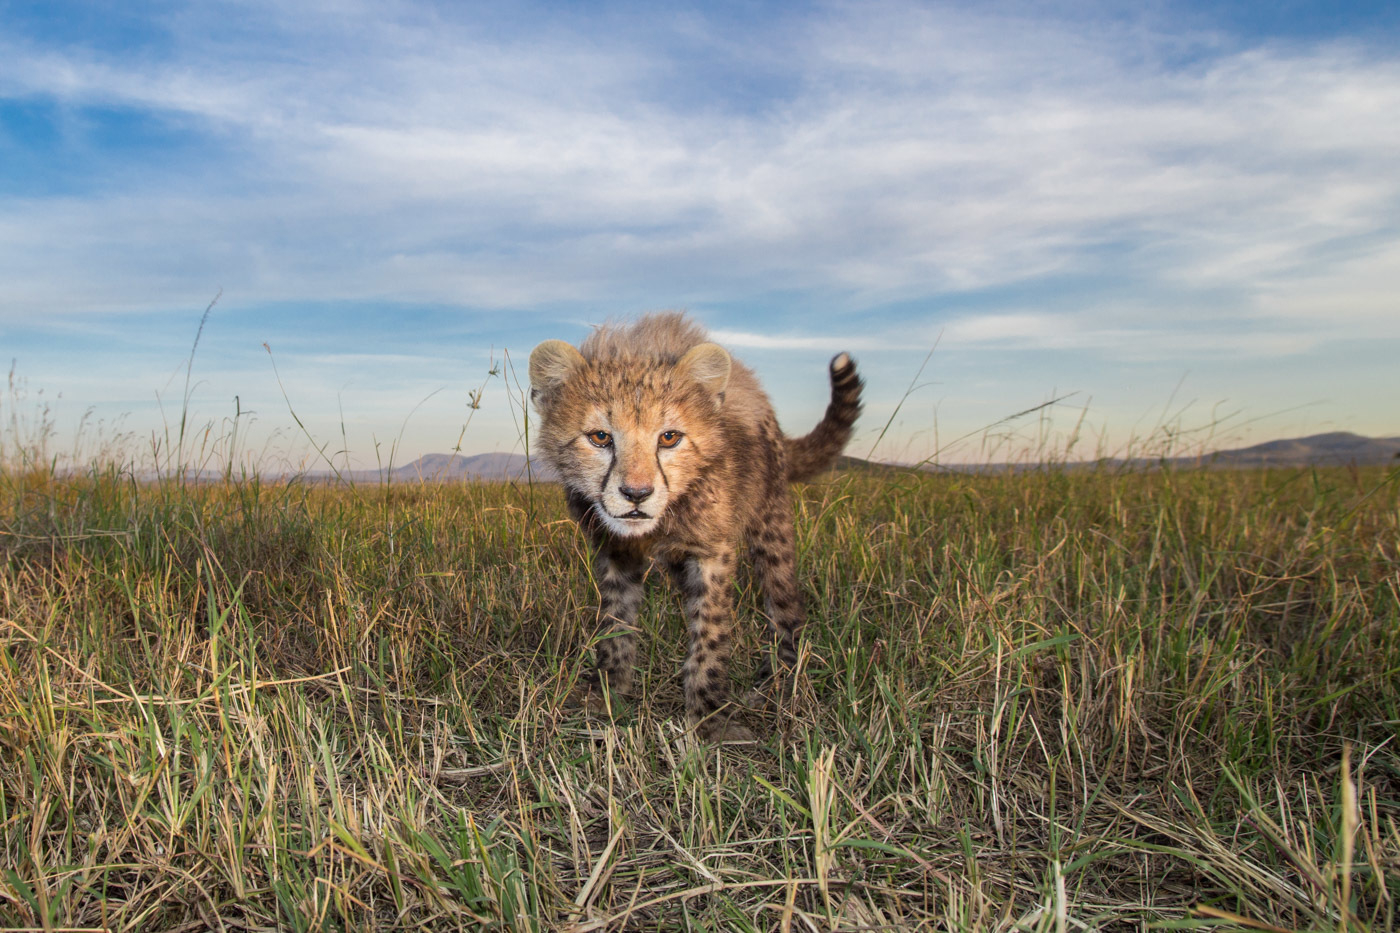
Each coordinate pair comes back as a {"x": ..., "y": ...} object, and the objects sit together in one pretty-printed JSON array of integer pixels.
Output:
[{"x": 669, "y": 439}]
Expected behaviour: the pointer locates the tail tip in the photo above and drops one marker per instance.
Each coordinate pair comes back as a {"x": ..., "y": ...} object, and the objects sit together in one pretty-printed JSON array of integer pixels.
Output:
[{"x": 841, "y": 362}]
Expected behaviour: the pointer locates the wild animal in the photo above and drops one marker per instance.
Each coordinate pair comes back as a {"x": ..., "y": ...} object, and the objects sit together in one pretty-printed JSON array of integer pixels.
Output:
[{"x": 669, "y": 451}]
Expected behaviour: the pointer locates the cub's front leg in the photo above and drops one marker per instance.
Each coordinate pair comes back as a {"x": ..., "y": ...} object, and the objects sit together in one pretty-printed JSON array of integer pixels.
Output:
[
  {"x": 619, "y": 572},
  {"x": 707, "y": 585}
]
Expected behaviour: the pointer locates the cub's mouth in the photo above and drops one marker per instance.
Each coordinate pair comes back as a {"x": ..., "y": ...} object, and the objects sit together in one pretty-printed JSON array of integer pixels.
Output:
[{"x": 636, "y": 515}]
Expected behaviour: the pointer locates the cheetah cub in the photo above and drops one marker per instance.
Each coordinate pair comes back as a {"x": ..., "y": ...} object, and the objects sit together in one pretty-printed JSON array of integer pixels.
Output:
[{"x": 668, "y": 449}]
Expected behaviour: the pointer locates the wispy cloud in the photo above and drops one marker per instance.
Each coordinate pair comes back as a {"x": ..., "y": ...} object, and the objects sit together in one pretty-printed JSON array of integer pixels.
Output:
[
  {"x": 833, "y": 343},
  {"x": 915, "y": 151},
  {"x": 1126, "y": 339}
]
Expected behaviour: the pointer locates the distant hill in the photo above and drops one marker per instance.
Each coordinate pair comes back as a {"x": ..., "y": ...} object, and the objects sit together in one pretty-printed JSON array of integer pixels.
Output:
[
  {"x": 861, "y": 465},
  {"x": 490, "y": 467},
  {"x": 445, "y": 468},
  {"x": 1336, "y": 448}
]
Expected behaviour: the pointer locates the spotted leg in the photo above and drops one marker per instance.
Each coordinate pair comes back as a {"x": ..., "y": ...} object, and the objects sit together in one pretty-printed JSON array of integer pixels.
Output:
[
  {"x": 774, "y": 554},
  {"x": 707, "y": 585},
  {"x": 619, "y": 574}
]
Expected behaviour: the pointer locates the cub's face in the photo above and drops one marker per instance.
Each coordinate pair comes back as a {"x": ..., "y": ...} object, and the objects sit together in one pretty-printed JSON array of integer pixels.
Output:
[{"x": 629, "y": 435}]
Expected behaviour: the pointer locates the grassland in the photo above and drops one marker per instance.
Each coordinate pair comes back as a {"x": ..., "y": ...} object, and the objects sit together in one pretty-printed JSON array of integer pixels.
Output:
[{"x": 1042, "y": 701}]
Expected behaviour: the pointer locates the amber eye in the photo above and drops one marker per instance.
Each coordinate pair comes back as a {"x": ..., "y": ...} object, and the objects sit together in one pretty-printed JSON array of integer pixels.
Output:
[
  {"x": 669, "y": 439},
  {"x": 599, "y": 438}
]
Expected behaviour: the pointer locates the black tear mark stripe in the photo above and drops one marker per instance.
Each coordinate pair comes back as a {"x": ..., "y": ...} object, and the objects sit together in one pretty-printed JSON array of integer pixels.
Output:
[
  {"x": 612, "y": 462},
  {"x": 662, "y": 470}
]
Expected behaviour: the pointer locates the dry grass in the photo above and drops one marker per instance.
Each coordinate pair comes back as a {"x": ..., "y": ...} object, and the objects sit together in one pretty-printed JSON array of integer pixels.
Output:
[{"x": 1044, "y": 701}]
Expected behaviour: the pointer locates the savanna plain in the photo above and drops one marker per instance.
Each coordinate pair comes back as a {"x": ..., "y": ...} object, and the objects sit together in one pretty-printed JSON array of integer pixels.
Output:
[{"x": 1051, "y": 699}]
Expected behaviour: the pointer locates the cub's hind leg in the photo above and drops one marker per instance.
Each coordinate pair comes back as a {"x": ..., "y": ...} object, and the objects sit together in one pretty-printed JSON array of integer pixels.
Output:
[
  {"x": 619, "y": 575},
  {"x": 773, "y": 548}
]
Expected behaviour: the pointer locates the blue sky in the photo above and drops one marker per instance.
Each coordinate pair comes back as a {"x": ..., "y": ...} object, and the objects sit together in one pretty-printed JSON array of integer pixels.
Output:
[{"x": 1169, "y": 213}]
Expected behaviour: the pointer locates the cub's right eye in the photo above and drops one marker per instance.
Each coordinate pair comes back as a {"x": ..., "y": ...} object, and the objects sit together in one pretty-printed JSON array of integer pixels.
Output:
[{"x": 599, "y": 438}]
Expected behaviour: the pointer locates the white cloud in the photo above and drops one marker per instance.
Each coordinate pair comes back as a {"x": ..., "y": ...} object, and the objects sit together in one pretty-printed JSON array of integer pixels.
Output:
[
  {"x": 832, "y": 343},
  {"x": 1128, "y": 333},
  {"x": 386, "y": 360},
  {"x": 1357, "y": 294},
  {"x": 1025, "y": 326}
]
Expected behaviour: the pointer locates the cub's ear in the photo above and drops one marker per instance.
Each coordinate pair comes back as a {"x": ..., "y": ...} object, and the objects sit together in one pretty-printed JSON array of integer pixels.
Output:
[
  {"x": 707, "y": 364},
  {"x": 551, "y": 363}
]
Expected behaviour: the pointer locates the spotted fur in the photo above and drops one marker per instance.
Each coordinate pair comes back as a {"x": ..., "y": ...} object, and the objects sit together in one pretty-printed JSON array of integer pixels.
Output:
[{"x": 669, "y": 451}]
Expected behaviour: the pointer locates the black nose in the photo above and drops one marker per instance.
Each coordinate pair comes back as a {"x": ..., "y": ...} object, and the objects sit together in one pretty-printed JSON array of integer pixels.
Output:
[{"x": 636, "y": 494}]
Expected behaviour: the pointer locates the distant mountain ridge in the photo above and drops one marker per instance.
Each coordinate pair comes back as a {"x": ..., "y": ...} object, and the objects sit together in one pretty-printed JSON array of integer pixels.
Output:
[
  {"x": 493, "y": 466},
  {"x": 1335, "y": 448},
  {"x": 447, "y": 468}
]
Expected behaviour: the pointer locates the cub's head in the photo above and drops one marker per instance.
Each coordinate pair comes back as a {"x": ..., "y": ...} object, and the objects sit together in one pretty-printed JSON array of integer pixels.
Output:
[{"x": 629, "y": 433}]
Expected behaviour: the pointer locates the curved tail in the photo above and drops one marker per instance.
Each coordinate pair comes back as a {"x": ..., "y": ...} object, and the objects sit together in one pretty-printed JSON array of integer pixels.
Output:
[{"x": 811, "y": 453}]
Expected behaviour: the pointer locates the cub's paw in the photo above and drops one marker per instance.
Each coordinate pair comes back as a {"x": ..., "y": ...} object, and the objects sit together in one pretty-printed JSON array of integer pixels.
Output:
[
  {"x": 720, "y": 730},
  {"x": 592, "y": 697},
  {"x": 768, "y": 693},
  {"x": 759, "y": 698}
]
